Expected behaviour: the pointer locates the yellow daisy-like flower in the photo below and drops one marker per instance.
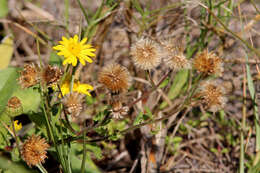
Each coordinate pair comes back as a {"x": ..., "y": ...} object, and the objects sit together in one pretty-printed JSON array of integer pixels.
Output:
[
  {"x": 73, "y": 50},
  {"x": 17, "y": 126},
  {"x": 77, "y": 87}
]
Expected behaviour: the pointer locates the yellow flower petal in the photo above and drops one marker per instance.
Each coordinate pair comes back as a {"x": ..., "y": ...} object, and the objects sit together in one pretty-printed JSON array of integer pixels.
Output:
[
  {"x": 17, "y": 126},
  {"x": 73, "y": 50}
]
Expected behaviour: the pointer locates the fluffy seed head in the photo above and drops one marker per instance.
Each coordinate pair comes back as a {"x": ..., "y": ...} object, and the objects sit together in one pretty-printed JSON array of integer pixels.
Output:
[
  {"x": 208, "y": 63},
  {"x": 14, "y": 107},
  {"x": 73, "y": 104},
  {"x": 115, "y": 77},
  {"x": 29, "y": 76},
  {"x": 174, "y": 56},
  {"x": 146, "y": 54},
  {"x": 50, "y": 75},
  {"x": 212, "y": 94},
  {"x": 34, "y": 150}
]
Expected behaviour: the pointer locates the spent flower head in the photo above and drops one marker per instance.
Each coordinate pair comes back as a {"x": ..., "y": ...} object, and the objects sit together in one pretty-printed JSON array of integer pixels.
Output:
[
  {"x": 29, "y": 76},
  {"x": 14, "y": 107},
  {"x": 115, "y": 77},
  {"x": 208, "y": 63},
  {"x": 118, "y": 111},
  {"x": 213, "y": 95},
  {"x": 146, "y": 54},
  {"x": 73, "y": 50},
  {"x": 34, "y": 150},
  {"x": 50, "y": 75},
  {"x": 73, "y": 104},
  {"x": 174, "y": 57}
]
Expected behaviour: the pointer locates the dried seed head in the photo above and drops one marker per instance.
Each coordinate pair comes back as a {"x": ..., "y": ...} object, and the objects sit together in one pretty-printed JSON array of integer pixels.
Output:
[
  {"x": 34, "y": 150},
  {"x": 14, "y": 107},
  {"x": 50, "y": 75},
  {"x": 29, "y": 76},
  {"x": 212, "y": 94},
  {"x": 115, "y": 77},
  {"x": 146, "y": 54},
  {"x": 118, "y": 110},
  {"x": 73, "y": 104},
  {"x": 208, "y": 63},
  {"x": 174, "y": 56}
]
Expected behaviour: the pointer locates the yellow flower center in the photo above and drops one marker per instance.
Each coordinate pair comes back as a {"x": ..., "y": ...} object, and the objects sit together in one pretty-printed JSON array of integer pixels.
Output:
[{"x": 74, "y": 48}]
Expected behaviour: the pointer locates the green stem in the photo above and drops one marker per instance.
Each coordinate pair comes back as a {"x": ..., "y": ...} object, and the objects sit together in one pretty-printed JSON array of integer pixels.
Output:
[
  {"x": 83, "y": 11},
  {"x": 15, "y": 136},
  {"x": 38, "y": 52},
  {"x": 41, "y": 168},
  {"x": 67, "y": 4},
  {"x": 84, "y": 151}
]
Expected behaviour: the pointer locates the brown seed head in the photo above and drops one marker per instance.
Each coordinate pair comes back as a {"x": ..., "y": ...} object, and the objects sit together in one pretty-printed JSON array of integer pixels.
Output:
[
  {"x": 212, "y": 95},
  {"x": 14, "y": 106},
  {"x": 174, "y": 56},
  {"x": 115, "y": 77},
  {"x": 29, "y": 76},
  {"x": 73, "y": 104},
  {"x": 146, "y": 54},
  {"x": 51, "y": 75},
  {"x": 118, "y": 110},
  {"x": 208, "y": 63},
  {"x": 34, "y": 150}
]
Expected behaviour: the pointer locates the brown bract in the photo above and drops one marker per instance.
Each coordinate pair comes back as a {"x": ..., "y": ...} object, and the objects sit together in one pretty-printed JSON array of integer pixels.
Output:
[
  {"x": 208, "y": 63},
  {"x": 34, "y": 150},
  {"x": 29, "y": 76},
  {"x": 212, "y": 94},
  {"x": 115, "y": 77},
  {"x": 51, "y": 75},
  {"x": 146, "y": 54},
  {"x": 72, "y": 104}
]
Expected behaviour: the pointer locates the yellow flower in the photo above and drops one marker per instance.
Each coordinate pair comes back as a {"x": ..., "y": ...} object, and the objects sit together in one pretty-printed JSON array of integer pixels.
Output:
[
  {"x": 77, "y": 87},
  {"x": 73, "y": 50},
  {"x": 17, "y": 126}
]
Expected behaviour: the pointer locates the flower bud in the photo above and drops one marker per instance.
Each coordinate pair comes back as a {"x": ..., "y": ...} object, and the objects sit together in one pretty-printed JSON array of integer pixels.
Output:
[{"x": 14, "y": 107}]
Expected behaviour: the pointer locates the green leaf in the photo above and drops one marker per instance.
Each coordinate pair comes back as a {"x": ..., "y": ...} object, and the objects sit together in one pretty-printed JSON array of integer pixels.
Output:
[
  {"x": 76, "y": 161},
  {"x": 177, "y": 86},
  {"x": 164, "y": 83},
  {"x": 30, "y": 99},
  {"x": 55, "y": 59},
  {"x": 39, "y": 120},
  {"x": 95, "y": 149},
  {"x": 139, "y": 118},
  {"x": 3, "y": 8},
  {"x": 7, "y": 85},
  {"x": 6, "y": 49},
  {"x": 14, "y": 167}
]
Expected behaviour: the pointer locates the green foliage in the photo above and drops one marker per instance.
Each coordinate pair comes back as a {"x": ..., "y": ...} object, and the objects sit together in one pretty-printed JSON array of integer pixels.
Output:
[
  {"x": 76, "y": 160},
  {"x": 14, "y": 167},
  {"x": 173, "y": 143},
  {"x": 3, "y": 8},
  {"x": 30, "y": 99},
  {"x": 177, "y": 86},
  {"x": 55, "y": 59},
  {"x": 6, "y": 49},
  {"x": 7, "y": 85}
]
